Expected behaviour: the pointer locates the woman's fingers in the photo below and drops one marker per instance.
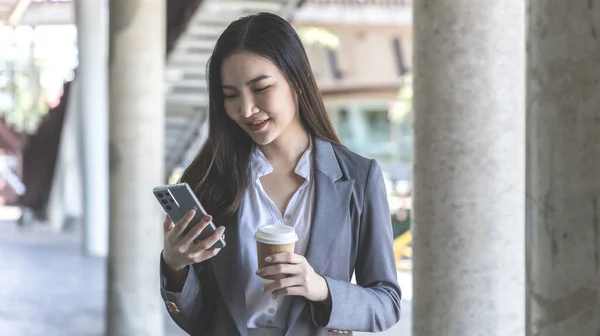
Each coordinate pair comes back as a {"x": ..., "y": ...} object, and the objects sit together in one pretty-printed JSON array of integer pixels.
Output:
[
  {"x": 210, "y": 241},
  {"x": 292, "y": 269},
  {"x": 183, "y": 223},
  {"x": 168, "y": 224},
  {"x": 183, "y": 249},
  {"x": 289, "y": 291},
  {"x": 286, "y": 286},
  {"x": 202, "y": 250},
  {"x": 205, "y": 255},
  {"x": 285, "y": 257},
  {"x": 195, "y": 231}
]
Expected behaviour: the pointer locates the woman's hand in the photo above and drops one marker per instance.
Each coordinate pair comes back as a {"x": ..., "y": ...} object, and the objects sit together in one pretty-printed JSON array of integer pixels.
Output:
[
  {"x": 180, "y": 250},
  {"x": 301, "y": 279}
]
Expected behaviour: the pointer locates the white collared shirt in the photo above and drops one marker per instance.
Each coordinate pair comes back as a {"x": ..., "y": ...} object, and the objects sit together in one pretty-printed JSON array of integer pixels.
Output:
[{"x": 262, "y": 309}]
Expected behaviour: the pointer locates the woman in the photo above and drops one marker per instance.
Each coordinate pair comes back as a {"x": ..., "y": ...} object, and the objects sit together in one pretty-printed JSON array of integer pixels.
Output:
[{"x": 272, "y": 156}]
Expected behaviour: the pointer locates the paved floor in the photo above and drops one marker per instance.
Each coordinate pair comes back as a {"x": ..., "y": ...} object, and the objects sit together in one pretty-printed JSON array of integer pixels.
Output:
[{"x": 48, "y": 288}]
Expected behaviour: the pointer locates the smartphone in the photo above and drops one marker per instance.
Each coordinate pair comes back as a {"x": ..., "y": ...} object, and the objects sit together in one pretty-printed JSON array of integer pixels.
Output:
[{"x": 176, "y": 200}]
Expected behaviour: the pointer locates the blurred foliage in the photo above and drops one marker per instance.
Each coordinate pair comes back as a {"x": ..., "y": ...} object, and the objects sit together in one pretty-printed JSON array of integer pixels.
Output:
[
  {"x": 318, "y": 36},
  {"x": 27, "y": 106},
  {"x": 401, "y": 110}
]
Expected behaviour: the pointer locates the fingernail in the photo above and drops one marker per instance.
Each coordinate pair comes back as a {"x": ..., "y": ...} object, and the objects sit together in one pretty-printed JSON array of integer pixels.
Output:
[
  {"x": 268, "y": 259},
  {"x": 221, "y": 229},
  {"x": 208, "y": 218},
  {"x": 192, "y": 212}
]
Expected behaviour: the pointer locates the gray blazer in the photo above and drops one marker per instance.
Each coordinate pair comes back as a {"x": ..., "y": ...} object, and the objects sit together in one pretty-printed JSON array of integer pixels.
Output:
[{"x": 351, "y": 232}]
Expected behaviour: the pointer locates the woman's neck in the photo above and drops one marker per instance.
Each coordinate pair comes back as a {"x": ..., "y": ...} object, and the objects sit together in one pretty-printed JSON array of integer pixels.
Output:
[{"x": 287, "y": 149}]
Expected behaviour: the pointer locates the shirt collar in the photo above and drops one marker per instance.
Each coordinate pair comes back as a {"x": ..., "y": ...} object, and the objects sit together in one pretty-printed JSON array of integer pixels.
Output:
[{"x": 260, "y": 166}]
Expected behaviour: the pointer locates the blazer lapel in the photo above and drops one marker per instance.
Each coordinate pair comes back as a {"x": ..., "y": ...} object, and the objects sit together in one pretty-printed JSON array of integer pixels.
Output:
[
  {"x": 228, "y": 273},
  {"x": 332, "y": 197},
  {"x": 331, "y": 214}
]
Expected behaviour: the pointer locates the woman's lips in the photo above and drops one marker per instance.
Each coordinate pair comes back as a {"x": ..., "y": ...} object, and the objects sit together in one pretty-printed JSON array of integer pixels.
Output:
[{"x": 258, "y": 124}]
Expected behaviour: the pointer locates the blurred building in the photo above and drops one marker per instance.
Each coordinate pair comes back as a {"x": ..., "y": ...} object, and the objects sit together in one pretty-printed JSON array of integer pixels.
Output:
[{"x": 361, "y": 54}]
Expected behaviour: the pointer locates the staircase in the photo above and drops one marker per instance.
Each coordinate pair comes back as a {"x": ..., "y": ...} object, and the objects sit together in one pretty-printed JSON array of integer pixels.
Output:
[{"x": 187, "y": 96}]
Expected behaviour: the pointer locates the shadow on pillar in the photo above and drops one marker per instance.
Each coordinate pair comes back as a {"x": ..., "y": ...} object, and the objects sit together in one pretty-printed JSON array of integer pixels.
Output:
[
  {"x": 39, "y": 161},
  {"x": 179, "y": 14}
]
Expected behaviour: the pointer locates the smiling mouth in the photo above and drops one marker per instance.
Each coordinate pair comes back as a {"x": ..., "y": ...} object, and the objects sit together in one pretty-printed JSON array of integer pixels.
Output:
[{"x": 258, "y": 124}]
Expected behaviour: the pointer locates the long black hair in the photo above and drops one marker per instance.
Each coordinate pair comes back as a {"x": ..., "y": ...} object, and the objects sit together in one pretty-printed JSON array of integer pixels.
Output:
[{"x": 219, "y": 173}]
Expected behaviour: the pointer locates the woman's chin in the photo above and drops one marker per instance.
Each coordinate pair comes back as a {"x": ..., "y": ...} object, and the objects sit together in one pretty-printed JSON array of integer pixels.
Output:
[{"x": 261, "y": 139}]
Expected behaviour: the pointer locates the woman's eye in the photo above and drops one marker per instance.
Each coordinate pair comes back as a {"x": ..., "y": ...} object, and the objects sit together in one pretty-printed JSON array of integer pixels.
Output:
[
  {"x": 228, "y": 96},
  {"x": 258, "y": 90}
]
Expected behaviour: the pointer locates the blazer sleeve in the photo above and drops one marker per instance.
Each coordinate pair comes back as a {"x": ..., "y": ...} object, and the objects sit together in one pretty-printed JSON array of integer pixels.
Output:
[
  {"x": 193, "y": 300},
  {"x": 373, "y": 305}
]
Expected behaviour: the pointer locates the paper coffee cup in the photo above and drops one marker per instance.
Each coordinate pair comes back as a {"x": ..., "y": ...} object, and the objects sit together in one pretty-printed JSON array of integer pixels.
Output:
[{"x": 272, "y": 239}]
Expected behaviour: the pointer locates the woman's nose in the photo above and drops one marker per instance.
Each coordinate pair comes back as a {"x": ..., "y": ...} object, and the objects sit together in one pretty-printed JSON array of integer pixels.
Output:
[{"x": 247, "y": 107}]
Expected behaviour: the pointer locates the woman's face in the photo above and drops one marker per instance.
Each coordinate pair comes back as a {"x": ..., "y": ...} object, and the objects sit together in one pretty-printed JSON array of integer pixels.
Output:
[{"x": 258, "y": 97}]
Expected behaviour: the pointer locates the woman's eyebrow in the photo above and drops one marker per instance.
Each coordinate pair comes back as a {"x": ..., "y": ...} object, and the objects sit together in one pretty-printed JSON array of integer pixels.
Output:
[
  {"x": 257, "y": 79},
  {"x": 250, "y": 82}
]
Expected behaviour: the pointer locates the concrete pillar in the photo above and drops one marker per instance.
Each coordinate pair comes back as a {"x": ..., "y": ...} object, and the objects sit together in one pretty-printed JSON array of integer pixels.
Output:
[
  {"x": 469, "y": 168},
  {"x": 564, "y": 167},
  {"x": 136, "y": 64},
  {"x": 65, "y": 203},
  {"x": 91, "y": 77}
]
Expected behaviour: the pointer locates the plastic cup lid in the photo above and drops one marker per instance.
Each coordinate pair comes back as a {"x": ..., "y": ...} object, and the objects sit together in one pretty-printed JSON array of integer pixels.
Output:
[{"x": 276, "y": 234}]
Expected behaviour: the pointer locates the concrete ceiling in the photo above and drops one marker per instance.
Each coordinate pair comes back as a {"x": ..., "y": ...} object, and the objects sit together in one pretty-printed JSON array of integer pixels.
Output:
[{"x": 36, "y": 12}]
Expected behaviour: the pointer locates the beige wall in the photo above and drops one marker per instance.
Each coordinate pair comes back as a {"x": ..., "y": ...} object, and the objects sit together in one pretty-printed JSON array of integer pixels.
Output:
[{"x": 365, "y": 57}]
